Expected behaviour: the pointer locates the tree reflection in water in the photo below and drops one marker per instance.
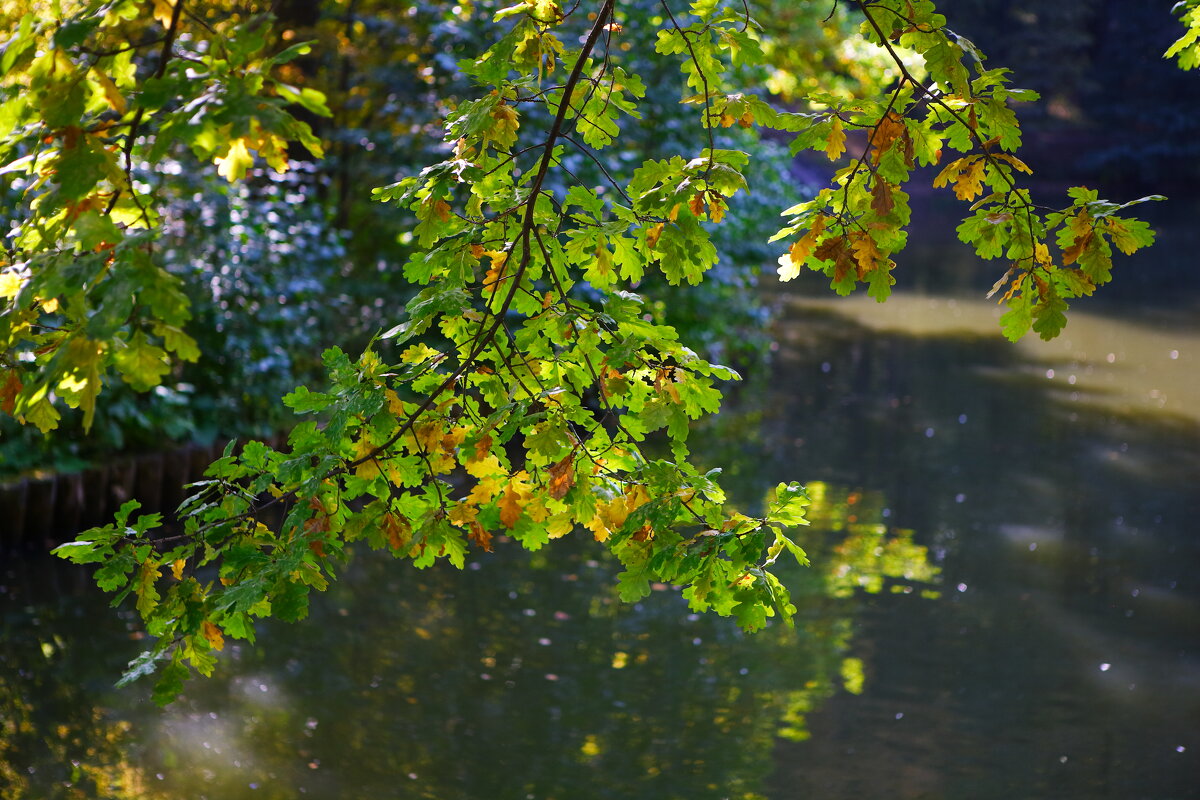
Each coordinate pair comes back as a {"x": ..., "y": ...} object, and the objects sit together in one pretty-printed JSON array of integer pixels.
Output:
[{"x": 523, "y": 676}]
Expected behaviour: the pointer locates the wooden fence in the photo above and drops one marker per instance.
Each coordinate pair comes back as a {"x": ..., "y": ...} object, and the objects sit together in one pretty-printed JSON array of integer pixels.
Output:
[{"x": 41, "y": 511}]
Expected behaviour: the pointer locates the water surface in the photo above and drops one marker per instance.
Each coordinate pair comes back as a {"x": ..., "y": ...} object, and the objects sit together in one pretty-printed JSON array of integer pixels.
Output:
[{"x": 1002, "y": 605}]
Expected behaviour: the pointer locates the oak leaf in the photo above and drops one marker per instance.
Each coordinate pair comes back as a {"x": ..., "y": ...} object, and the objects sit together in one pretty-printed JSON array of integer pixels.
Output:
[
  {"x": 790, "y": 264},
  {"x": 888, "y": 130},
  {"x": 504, "y": 129},
  {"x": 237, "y": 160},
  {"x": 213, "y": 634},
  {"x": 397, "y": 529},
  {"x": 368, "y": 469},
  {"x": 562, "y": 477},
  {"x": 881, "y": 197},
  {"x": 969, "y": 182},
  {"x": 653, "y": 233},
  {"x": 716, "y": 207},
  {"x": 513, "y": 501},
  {"x": 866, "y": 253},
  {"x": 9, "y": 391},
  {"x": 480, "y": 536},
  {"x": 1072, "y": 253},
  {"x": 835, "y": 145}
]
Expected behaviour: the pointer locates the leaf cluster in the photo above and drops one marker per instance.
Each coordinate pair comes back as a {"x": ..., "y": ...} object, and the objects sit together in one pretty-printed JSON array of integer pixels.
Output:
[
  {"x": 527, "y": 391},
  {"x": 89, "y": 94},
  {"x": 851, "y": 230}
]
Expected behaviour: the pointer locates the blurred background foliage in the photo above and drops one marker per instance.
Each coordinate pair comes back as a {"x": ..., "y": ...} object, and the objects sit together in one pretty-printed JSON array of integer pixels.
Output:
[{"x": 279, "y": 267}]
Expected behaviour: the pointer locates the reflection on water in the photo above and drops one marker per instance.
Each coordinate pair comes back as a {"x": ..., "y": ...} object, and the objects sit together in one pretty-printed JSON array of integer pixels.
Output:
[
  {"x": 1056, "y": 655},
  {"x": 1057, "y": 485},
  {"x": 521, "y": 677}
]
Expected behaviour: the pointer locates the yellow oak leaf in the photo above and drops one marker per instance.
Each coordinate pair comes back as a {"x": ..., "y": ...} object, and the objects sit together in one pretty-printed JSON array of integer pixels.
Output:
[
  {"x": 484, "y": 467},
  {"x": 636, "y": 497},
  {"x": 369, "y": 469},
  {"x": 835, "y": 145},
  {"x": 1041, "y": 254},
  {"x": 969, "y": 182},
  {"x": 951, "y": 171},
  {"x": 214, "y": 635},
  {"x": 486, "y": 489},
  {"x": 453, "y": 438},
  {"x": 495, "y": 273},
  {"x": 513, "y": 501},
  {"x": 598, "y": 528},
  {"x": 43, "y": 414},
  {"x": 163, "y": 11},
  {"x": 237, "y": 159},
  {"x": 111, "y": 93},
  {"x": 426, "y": 436},
  {"x": 800, "y": 250},
  {"x": 866, "y": 253},
  {"x": 615, "y": 512},
  {"x": 395, "y": 404},
  {"x": 462, "y": 513},
  {"x": 653, "y": 233},
  {"x": 603, "y": 269},
  {"x": 81, "y": 386},
  {"x": 504, "y": 129},
  {"x": 10, "y": 284},
  {"x": 538, "y": 508},
  {"x": 716, "y": 207},
  {"x": 560, "y": 525}
]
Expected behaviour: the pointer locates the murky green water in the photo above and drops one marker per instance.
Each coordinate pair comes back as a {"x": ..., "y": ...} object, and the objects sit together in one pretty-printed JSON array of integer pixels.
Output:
[{"x": 1055, "y": 487}]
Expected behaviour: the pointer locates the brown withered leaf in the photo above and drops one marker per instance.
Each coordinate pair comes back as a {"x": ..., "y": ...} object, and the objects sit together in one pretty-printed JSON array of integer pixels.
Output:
[
  {"x": 881, "y": 197},
  {"x": 888, "y": 130},
  {"x": 866, "y": 253},
  {"x": 1072, "y": 253},
  {"x": 832, "y": 249},
  {"x": 511, "y": 503},
  {"x": 398, "y": 530},
  {"x": 998, "y": 285},
  {"x": 480, "y": 536},
  {"x": 483, "y": 446},
  {"x": 318, "y": 522},
  {"x": 562, "y": 477},
  {"x": 9, "y": 391}
]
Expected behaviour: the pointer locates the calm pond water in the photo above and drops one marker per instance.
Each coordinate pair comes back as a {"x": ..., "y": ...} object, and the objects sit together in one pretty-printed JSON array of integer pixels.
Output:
[{"x": 1004, "y": 603}]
